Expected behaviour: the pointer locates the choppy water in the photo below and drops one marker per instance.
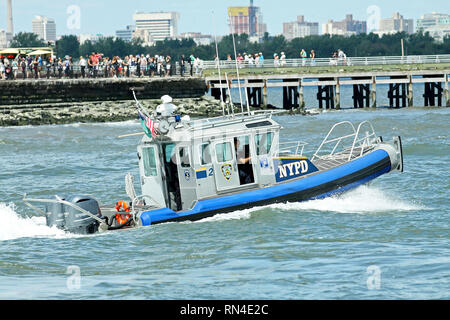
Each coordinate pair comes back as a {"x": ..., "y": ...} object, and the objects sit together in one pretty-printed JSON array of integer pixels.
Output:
[{"x": 388, "y": 240}]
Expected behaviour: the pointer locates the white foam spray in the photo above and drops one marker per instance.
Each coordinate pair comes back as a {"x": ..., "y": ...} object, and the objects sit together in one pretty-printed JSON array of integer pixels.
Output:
[
  {"x": 13, "y": 226},
  {"x": 364, "y": 199}
]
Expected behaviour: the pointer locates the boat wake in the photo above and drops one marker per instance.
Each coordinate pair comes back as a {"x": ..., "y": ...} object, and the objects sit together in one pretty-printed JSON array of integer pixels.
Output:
[
  {"x": 14, "y": 226},
  {"x": 364, "y": 199}
]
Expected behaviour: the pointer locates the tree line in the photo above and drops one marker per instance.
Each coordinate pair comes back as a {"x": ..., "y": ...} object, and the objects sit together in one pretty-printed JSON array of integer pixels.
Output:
[{"x": 362, "y": 45}]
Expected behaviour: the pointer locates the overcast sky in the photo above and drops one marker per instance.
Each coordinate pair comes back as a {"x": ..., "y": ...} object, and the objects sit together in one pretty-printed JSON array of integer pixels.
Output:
[{"x": 107, "y": 16}]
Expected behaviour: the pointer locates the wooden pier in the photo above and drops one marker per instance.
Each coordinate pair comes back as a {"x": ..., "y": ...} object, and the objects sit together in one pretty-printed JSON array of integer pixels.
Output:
[{"x": 400, "y": 92}]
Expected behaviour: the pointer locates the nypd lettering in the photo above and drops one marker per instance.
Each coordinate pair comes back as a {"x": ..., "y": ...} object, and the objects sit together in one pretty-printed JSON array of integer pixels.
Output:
[{"x": 289, "y": 168}]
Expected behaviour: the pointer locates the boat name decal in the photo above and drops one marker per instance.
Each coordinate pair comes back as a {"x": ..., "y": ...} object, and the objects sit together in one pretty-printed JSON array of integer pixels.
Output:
[{"x": 289, "y": 168}]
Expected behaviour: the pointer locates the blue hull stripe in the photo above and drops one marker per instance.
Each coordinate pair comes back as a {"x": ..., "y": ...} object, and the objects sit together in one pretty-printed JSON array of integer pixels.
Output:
[{"x": 276, "y": 191}]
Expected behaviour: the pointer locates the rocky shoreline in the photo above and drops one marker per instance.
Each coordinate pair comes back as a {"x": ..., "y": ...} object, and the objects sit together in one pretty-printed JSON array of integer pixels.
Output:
[{"x": 106, "y": 111}]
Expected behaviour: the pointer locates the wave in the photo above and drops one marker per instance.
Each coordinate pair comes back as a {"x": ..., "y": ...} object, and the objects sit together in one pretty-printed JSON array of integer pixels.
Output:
[
  {"x": 235, "y": 215},
  {"x": 14, "y": 226},
  {"x": 364, "y": 199}
]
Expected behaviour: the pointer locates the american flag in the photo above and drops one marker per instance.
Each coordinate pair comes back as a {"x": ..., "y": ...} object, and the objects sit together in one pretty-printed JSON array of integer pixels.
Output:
[{"x": 149, "y": 124}]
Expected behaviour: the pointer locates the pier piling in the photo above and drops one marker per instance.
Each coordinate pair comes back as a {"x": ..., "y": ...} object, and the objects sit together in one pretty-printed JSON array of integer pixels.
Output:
[
  {"x": 410, "y": 92},
  {"x": 373, "y": 93},
  {"x": 364, "y": 84},
  {"x": 337, "y": 96},
  {"x": 446, "y": 92}
]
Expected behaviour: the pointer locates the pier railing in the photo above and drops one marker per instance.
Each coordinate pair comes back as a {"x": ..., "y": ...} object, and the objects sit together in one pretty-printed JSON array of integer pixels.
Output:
[
  {"x": 204, "y": 65},
  {"x": 323, "y": 62}
]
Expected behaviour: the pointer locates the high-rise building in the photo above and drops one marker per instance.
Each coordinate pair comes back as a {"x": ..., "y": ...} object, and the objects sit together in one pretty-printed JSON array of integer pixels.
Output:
[
  {"x": 300, "y": 28},
  {"x": 247, "y": 20},
  {"x": 430, "y": 20},
  {"x": 345, "y": 27},
  {"x": 44, "y": 28},
  {"x": 126, "y": 34},
  {"x": 160, "y": 25},
  {"x": 436, "y": 24},
  {"x": 395, "y": 24}
]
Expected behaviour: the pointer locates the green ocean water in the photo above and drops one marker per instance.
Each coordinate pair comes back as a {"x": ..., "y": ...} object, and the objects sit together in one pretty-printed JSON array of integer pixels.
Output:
[{"x": 385, "y": 240}]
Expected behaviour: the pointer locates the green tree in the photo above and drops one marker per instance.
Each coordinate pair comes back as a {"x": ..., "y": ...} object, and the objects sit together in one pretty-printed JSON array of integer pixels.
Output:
[
  {"x": 68, "y": 45},
  {"x": 27, "y": 40}
]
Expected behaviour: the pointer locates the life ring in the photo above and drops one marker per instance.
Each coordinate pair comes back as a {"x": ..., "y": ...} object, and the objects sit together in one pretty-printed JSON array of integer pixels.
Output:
[
  {"x": 122, "y": 206},
  {"x": 123, "y": 219}
]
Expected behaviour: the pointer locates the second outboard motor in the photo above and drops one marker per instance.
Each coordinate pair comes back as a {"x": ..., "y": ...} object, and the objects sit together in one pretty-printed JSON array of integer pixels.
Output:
[{"x": 72, "y": 220}]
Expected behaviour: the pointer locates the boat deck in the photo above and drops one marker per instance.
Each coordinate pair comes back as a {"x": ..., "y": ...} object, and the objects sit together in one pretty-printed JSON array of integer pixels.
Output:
[{"x": 334, "y": 160}]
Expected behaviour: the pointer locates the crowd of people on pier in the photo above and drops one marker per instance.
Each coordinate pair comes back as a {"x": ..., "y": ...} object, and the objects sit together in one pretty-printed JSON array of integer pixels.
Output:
[
  {"x": 97, "y": 65},
  {"x": 279, "y": 60}
]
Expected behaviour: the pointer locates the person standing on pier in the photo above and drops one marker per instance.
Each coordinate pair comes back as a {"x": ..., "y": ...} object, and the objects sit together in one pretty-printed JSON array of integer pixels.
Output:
[
  {"x": 312, "y": 56},
  {"x": 303, "y": 55},
  {"x": 48, "y": 64},
  {"x": 283, "y": 59},
  {"x": 276, "y": 60},
  {"x": 23, "y": 66},
  {"x": 83, "y": 64},
  {"x": 191, "y": 63},
  {"x": 2, "y": 70},
  {"x": 95, "y": 62},
  {"x": 143, "y": 61},
  {"x": 182, "y": 65},
  {"x": 37, "y": 73},
  {"x": 15, "y": 68},
  {"x": 66, "y": 67},
  {"x": 168, "y": 66},
  {"x": 60, "y": 68}
]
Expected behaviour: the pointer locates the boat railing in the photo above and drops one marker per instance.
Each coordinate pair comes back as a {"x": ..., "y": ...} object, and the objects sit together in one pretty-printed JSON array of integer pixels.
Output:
[
  {"x": 292, "y": 148},
  {"x": 226, "y": 120},
  {"x": 336, "y": 144},
  {"x": 365, "y": 141}
]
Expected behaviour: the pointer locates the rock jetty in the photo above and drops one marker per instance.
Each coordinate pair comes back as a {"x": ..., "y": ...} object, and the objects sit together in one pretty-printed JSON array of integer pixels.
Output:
[{"x": 105, "y": 111}]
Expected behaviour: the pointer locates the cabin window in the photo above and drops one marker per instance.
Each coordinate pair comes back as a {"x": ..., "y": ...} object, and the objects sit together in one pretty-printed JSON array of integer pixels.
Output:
[
  {"x": 149, "y": 162},
  {"x": 205, "y": 154},
  {"x": 242, "y": 147},
  {"x": 263, "y": 143},
  {"x": 184, "y": 157},
  {"x": 169, "y": 150},
  {"x": 224, "y": 152}
]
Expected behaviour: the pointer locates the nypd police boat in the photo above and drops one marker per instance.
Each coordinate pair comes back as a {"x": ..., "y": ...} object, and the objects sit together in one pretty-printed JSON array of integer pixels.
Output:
[{"x": 193, "y": 169}]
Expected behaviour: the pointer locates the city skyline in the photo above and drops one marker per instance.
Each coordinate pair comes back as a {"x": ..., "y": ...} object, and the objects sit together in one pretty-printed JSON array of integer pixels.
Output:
[{"x": 65, "y": 13}]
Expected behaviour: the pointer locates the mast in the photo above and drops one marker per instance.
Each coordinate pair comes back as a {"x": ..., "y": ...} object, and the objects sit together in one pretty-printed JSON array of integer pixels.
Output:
[
  {"x": 218, "y": 66},
  {"x": 237, "y": 68}
]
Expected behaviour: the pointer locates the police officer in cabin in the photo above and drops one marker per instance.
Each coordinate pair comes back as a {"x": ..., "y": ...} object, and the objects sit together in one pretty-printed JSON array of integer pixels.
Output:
[{"x": 243, "y": 162}]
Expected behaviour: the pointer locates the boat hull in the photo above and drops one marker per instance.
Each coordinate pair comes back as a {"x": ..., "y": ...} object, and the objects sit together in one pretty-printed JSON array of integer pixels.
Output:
[{"x": 318, "y": 185}]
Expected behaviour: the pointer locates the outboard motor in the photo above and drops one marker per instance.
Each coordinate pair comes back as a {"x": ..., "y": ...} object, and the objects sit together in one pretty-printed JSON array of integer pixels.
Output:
[
  {"x": 55, "y": 215},
  {"x": 70, "y": 219}
]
